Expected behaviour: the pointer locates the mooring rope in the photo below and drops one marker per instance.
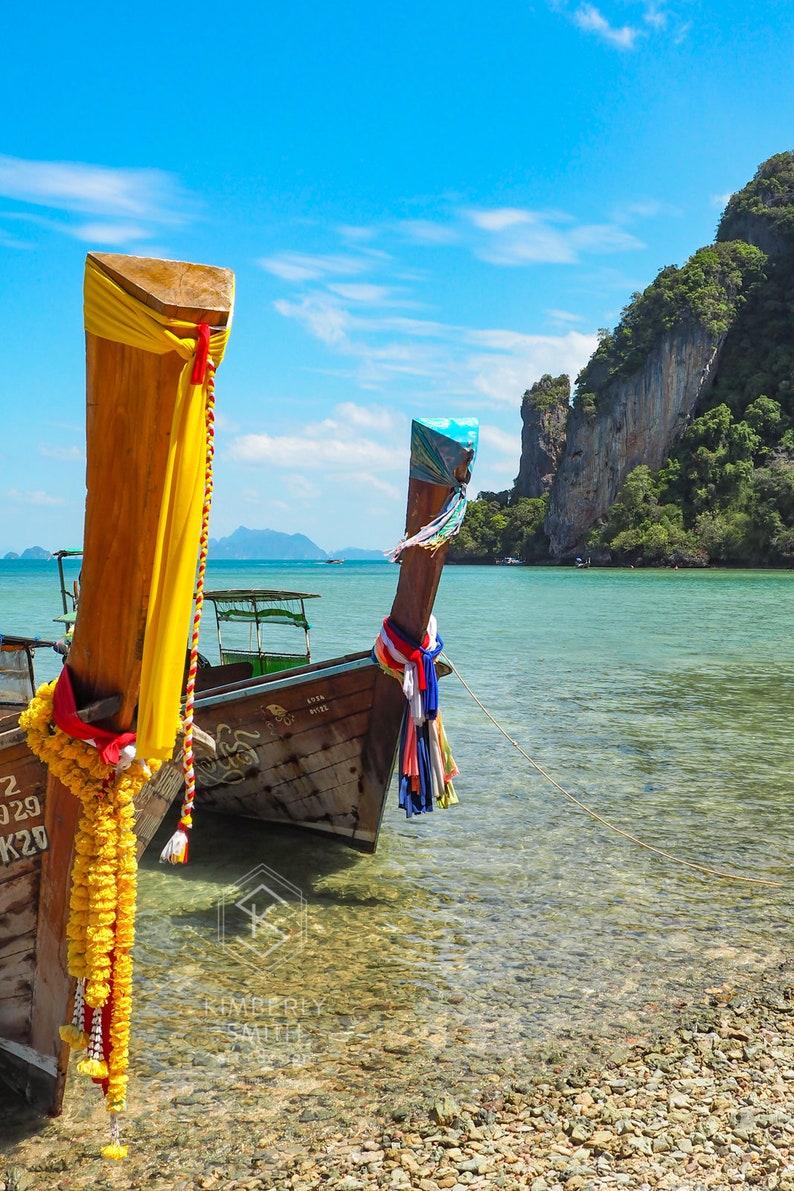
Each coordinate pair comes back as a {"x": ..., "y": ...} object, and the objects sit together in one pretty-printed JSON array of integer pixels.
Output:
[{"x": 701, "y": 868}]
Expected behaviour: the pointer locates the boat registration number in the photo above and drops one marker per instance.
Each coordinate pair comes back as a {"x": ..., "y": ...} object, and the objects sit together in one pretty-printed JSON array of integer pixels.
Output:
[{"x": 27, "y": 839}]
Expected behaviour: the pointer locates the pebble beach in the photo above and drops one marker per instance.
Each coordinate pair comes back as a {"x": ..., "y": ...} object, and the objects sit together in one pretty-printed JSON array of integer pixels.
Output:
[{"x": 710, "y": 1104}]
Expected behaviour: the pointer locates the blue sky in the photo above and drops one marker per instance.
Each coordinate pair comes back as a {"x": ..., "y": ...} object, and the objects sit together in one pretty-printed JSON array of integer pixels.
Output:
[{"x": 426, "y": 207}]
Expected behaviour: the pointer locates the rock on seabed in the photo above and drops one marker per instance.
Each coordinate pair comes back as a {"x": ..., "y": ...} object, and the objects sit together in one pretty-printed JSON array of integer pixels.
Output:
[{"x": 710, "y": 1105}]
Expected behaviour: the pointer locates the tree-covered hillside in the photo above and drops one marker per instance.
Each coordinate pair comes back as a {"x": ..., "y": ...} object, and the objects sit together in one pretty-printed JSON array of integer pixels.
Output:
[
  {"x": 725, "y": 494},
  {"x": 498, "y": 526}
]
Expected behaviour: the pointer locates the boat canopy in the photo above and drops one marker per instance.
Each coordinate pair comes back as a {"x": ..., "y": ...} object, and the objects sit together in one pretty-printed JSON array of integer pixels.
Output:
[
  {"x": 275, "y": 607},
  {"x": 17, "y": 680},
  {"x": 252, "y": 609}
]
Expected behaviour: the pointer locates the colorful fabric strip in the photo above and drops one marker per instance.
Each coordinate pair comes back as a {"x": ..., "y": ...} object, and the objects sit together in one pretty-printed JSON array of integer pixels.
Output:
[{"x": 426, "y": 765}]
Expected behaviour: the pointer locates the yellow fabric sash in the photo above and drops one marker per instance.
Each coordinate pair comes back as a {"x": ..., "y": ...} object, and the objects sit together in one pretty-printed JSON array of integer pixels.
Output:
[{"x": 113, "y": 314}]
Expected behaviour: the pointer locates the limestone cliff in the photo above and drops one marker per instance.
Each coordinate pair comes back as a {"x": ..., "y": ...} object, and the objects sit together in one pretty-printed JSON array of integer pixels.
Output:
[
  {"x": 544, "y": 414},
  {"x": 678, "y": 445},
  {"x": 649, "y": 376},
  {"x": 635, "y": 421}
]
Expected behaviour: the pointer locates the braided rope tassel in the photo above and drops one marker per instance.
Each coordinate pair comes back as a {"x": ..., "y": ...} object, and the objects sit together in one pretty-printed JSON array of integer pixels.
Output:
[
  {"x": 75, "y": 1033},
  {"x": 115, "y": 1149},
  {"x": 176, "y": 850},
  {"x": 94, "y": 1063}
]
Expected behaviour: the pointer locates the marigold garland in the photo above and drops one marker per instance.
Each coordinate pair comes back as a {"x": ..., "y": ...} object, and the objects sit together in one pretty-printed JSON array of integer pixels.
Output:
[{"x": 101, "y": 928}]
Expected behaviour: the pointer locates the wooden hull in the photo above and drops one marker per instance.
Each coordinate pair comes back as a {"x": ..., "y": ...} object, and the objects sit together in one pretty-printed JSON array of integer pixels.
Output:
[
  {"x": 23, "y": 840},
  {"x": 303, "y": 749},
  {"x": 315, "y": 747},
  {"x": 35, "y": 854}
]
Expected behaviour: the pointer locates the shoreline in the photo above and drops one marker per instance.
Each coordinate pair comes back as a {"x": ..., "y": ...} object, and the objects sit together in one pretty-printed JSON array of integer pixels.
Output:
[{"x": 710, "y": 1103}]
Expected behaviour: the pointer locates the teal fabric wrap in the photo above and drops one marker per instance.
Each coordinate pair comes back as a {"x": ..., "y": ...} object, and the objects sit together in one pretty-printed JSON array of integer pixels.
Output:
[{"x": 439, "y": 446}]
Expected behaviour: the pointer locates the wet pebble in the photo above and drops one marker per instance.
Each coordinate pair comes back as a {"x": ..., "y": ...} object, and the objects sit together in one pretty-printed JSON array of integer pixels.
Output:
[{"x": 666, "y": 1117}]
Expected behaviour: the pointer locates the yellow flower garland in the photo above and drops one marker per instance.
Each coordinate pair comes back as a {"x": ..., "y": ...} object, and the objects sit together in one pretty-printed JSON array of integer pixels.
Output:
[{"x": 101, "y": 928}]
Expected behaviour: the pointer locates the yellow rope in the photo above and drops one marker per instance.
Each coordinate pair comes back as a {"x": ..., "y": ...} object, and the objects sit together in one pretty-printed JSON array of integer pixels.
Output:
[{"x": 701, "y": 868}]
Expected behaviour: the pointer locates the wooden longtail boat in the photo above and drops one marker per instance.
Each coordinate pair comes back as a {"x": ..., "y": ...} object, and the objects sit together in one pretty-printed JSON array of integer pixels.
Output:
[
  {"x": 131, "y": 403},
  {"x": 314, "y": 746}
]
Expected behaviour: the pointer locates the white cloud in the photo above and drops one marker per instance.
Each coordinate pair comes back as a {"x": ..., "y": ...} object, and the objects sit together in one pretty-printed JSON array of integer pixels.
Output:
[
  {"x": 370, "y": 417},
  {"x": 426, "y": 231},
  {"x": 67, "y": 454},
  {"x": 301, "y": 488},
  {"x": 361, "y": 292},
  {"x": 655, "y": 17},
  {"x": 307, "y": 452},
  {"x": 515, "y": 360},
  {"x": 360, "y": 235},
  {"x": 592, "y": 20},
  {"x": 603, "y": 237},
  {"x": 363, "y": 442},
  {"x": 500, "y": 441},
  {"x": 500, "y": 219},
  {"x": 33, "y": 498},
  {"x": 303, "y": 266},
  {"x": 382, "y": 350},
  {"x": 138, "y": 194},
  {"x": 564, "y": 316},
  {"x": 9, "y": 241},
  {"x": 511, "y": 236},
  {"x": 325, "y": 318},
  {"x": 112, "y": 233}
]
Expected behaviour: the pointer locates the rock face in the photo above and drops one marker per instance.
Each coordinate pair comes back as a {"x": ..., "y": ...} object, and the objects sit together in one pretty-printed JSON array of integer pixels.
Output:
[
  {"x": 636, "y": 421},
  {"x": 630, "y": 408},
  {"x": 544, "y": 414},
  {"x": 753, "y": 229}
]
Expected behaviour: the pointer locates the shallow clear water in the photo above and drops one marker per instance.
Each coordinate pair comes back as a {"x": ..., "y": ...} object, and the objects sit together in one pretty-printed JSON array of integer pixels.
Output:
[{"x": 514, "y": 921}]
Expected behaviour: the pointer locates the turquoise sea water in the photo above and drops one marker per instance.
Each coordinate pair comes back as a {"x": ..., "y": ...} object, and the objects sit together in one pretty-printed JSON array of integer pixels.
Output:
[{"x": 512, "y": 921}]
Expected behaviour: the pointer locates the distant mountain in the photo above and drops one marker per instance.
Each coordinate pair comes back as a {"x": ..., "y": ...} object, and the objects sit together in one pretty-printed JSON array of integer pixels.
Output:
[
  {"x": 31, "y": 552},
  {"x": 265, "y": 544},
  {"x": 355, "y": 554},
  {"x": 254, "y": 544}
]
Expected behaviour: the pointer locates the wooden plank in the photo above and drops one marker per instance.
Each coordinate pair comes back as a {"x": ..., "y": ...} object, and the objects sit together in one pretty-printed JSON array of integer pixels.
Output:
[
  {"x": 300, "y": 758},
  {"x": 15, "y": 1019},
  {"x": 303, "y": 805},
  {"x": 178, "y": 289},
  {"x": 276, "y": 738},
  {"x": 15, "y": 1010},
  {"x": 285, "y": 678},
  {"x": 18, "y": 899},
  {"x": 322, "y": 770},
  {"x": 23, "y": 834},
  {"x": 52, "y": 986},
  {"x": 10, "y": 736},
  {"x": 293, "y": 709},
  {"x": 153, "y": 802}
]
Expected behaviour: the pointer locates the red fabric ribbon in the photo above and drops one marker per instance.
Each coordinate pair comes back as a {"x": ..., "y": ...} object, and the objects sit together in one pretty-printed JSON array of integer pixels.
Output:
[
  {"x": 202, "y": 354},
  {"x": 64, "y": 710},
  {"x": 408, "y": 649}
]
